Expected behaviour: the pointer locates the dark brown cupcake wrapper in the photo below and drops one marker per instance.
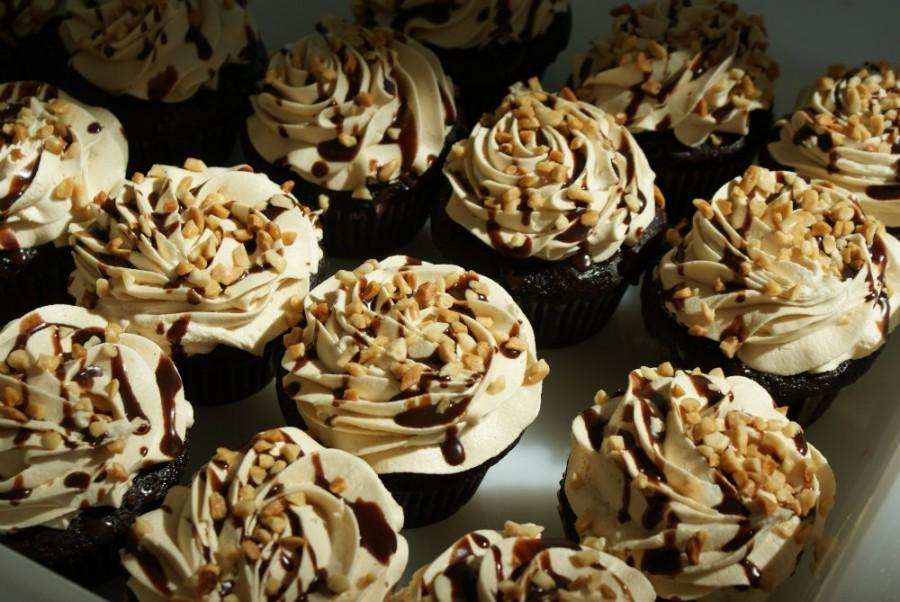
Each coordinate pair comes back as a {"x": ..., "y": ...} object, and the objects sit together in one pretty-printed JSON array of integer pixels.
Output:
[
  {"x": 33, "y": 278},
  {"x": 227, "y": 374},
  {"x": 561, "y": 324},
  {"x": 87, "y": 551},
  {"x": 807, "y": 396},
  {"x": 566, "y": 514}
]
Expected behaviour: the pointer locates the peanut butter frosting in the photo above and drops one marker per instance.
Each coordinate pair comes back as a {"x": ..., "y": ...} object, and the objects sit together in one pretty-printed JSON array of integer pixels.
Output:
[
  {"x": 847, "y": 131},
  {"x": 85, "y": 408},
  {"x": 518, "y": 564},
  {"x": 698, "y": 68},
  {"x": 157, "y": 50},
  {"x": 552, "y": 177},
  {"x": 698, "y": 481},
  {"x": 280, "y": 519},
  {"x": 787, "y": 274},
  {"x": 198, "y": 257},
  {"x": 20, "y": 18},
  {"x": 414, "y": 367},
  {"x": 464, "y": 24},
  {"x": 56, "y": 155},
  {"x": 346, "y": 107}
]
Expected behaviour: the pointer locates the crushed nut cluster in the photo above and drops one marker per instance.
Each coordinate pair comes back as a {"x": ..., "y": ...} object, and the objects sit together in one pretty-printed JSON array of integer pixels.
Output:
[
  {"x": 438, "y": 344},
  {"x": 171, "y": 232},
  {"x": 866, "y": 108}
]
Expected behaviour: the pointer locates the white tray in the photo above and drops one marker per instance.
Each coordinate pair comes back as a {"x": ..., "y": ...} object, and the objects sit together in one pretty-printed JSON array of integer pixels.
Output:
[{"x": 860, "y": 434}]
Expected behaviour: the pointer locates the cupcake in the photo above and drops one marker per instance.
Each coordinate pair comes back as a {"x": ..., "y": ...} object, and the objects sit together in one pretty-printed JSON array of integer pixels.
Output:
[
  {"x": 699, "y": 481},
  {"x": 693, "y": 82},
  {"x": 518, "y": 564},
  {"x": 93, "y": 430},
  {"x": 210, "y": 263},
  {"x": 782, "y": 280},
  {"x": 427, "y": 372},
  {"x": 28, "y": 41},
  {"x": 176, "y": 73},
  {"x": 280, "y": 519},
  {"x": 847, "y": 131},
  {"x": 360, "y": 120},
  {"x": 485, "y": 45},
  {"x": 56, "y": 155},
  {"x": 555, "y": 202}
]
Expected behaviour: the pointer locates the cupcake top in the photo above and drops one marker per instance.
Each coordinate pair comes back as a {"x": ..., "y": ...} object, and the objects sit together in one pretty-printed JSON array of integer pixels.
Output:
[
  {"x": 518, "y": 564},
  {"x": 56, "y": 155},
  {"x": 85, "y": 409},
  {"x": 280, "y": 519},
  {"x": 785, "y": 273},
  {"x": 414, "y": 367},
  {"x": 345, "y": 107},
  {"x": 697, "y": 68},
  {"x": 698, "y": 481},
  {"x": 847, "y": 130},
  {"x": 552, "y": 177},
  {"x": 162, "y": 51},
  {"x": 20, "y": 18},
  {"x": 196, "y": 257},
  {"x": 464, "y": 24}
]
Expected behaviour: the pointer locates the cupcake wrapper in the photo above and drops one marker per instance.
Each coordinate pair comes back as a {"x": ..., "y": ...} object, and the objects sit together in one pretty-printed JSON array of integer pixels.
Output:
[
  {"x": 227, "y": 374},
  {"x": 87, "y": 551},
  {"x": 41, "y": 280},
  {"x": 562, "y": 324},
  {"x": 566, "y": 514}
]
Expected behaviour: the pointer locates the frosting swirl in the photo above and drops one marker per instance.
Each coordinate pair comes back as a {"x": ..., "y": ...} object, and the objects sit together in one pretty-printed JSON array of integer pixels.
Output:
[
  {"x": 414, "y": 367},
  {"x": 283, "y": 518},
  {"x": 196, "y": 257},
  {"x": 552, "y": 177},
  {"x": 20, "y": 18},
  {"x": 518, "y": 564},
  {"x": 55, "y": 156},
  {"x": 466, "y": 24},
  {"x": 697, "y": 68},
  {"x": 788, "y": 275},
  {"x": 347, "y": 106},
  {"x": 159, "y": 51},
  {"x": 847, "y": 131},
  {"x": 85, "y": 409},
  {"x": 699, "y": 481}
]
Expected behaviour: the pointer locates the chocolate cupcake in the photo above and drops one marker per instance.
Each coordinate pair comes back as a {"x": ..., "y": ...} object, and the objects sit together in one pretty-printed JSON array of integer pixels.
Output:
[
  {"x": 176, "y": 73},
  {"x": 427, "y": 372},
  {"x": 210, "y": 263},
  {"x": 782, "y": 280},
  {"x": 485, "y": 45},
  {"x": 699, "y": 481},
  {"x": 360, "y": 120},
  {"x": 557, "y": 203},
  {"x": 489, "y": 566},
  {"x": 29, "y": 46},
  {"x": 93, "y": 427},
  {"x": 280, "y": 519},
  {"x": 847, "y": 131},
  {"x": 693, "y": 82},
  {"x": 56, "y": 155}
]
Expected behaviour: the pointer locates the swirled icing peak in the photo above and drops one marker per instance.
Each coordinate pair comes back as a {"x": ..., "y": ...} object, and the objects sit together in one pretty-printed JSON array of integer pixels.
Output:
[
  {"x": 84, "y": 409},
  {"x": 847, "y": 131},
  {"x": 414, "y": 367},
  {"x": 464, "y": 24},
  {"x": 347, "y": 106},
  {"x": 158, "y": 50},
  {"x": 199, "y": 256},
  {"x": 698, "y": 481},
  {"x": 788, "y": 274},
  {"x": 280, "y": 519},
  {"x": 697, "y": 68},
  {"x": 56, "y": 155},
  {"x": 518, "y": 564},
  {"x": 552, "y": 177}
]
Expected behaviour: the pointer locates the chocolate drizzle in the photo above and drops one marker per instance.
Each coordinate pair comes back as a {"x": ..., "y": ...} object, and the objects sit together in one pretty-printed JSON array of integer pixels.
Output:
[
  {"x": 375, "y": 534},
  {"x": 169, "y": 383}
]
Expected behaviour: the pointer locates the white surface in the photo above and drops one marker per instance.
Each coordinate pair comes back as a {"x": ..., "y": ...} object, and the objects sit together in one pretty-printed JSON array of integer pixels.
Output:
[{"x": 860, "y": 435}]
